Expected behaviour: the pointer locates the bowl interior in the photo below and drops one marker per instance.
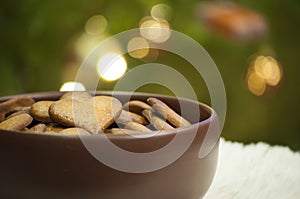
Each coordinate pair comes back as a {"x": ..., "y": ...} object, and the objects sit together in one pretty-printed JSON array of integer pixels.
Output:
[{"x": 193, "y": 111}]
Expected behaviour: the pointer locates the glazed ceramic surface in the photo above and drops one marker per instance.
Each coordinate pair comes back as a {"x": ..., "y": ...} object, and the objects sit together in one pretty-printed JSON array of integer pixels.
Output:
[{"x": 50, "y": 166}]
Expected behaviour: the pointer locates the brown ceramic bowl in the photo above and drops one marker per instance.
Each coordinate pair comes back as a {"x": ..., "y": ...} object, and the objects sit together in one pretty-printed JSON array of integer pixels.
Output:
[{"x": 52, "y": 166}]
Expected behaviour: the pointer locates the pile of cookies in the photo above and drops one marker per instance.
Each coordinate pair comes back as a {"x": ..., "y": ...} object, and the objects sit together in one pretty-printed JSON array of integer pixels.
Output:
[{"x": 80, "y": 113}]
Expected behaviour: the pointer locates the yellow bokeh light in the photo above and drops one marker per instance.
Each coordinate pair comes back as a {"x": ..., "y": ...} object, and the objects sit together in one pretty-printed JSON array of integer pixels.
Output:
[
  {"x": 72, "y": 86},
  {"x": 268, "y": 68},
  {"x": 111, "y": 66},
  {"x": 256, "y": 84},
  {"x": 161, "y": 11},
  {"x": 138, "y": 47},
  {"x": 85, "y": 43},
  {"x": 146, "y": 18},
  {"x": 155, "y": 30},
  {"x": 96, "y": 25}
]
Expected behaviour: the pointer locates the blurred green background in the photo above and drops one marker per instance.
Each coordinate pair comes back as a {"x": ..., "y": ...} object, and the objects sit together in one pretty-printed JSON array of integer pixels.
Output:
[{"x": 41, "y": 44}]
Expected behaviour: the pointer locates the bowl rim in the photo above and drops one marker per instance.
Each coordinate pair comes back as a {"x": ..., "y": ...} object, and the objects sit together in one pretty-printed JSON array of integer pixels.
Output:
[{"x": 212, "y": 115}]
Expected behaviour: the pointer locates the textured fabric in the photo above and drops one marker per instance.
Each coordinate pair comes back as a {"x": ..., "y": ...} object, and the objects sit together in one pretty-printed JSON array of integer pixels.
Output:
[{"x": 256, "y": 171}]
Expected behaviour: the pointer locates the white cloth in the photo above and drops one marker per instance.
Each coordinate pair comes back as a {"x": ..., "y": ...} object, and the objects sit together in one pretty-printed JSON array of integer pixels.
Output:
[{"x": 256, "y": 171}]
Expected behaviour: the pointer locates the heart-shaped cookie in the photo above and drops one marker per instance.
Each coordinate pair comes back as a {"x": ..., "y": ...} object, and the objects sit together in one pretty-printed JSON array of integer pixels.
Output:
[{"x": 94, "y": 115}]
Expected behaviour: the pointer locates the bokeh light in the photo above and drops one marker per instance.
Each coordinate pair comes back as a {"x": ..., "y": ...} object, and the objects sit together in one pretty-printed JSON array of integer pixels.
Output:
[
  {"x": 256, "y": 84},
  {"x": 157, "y": 31},
  {"x": 138, "y": 47},
  {"x": 263, "y": 71},
  {"x": 161, "y": 11},
  {"x": 85, "y": 43},
  {"x": 96, "y": 25},
  {"x": 111, "y": 66},
  {"x": 232, "y": 21},
  {"x": 72, "y": 86},
  {"x": 269, "y": 69}
]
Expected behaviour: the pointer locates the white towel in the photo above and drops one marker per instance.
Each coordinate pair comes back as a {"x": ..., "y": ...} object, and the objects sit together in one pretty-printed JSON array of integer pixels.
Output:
[{"x": 256, "y": 171}]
